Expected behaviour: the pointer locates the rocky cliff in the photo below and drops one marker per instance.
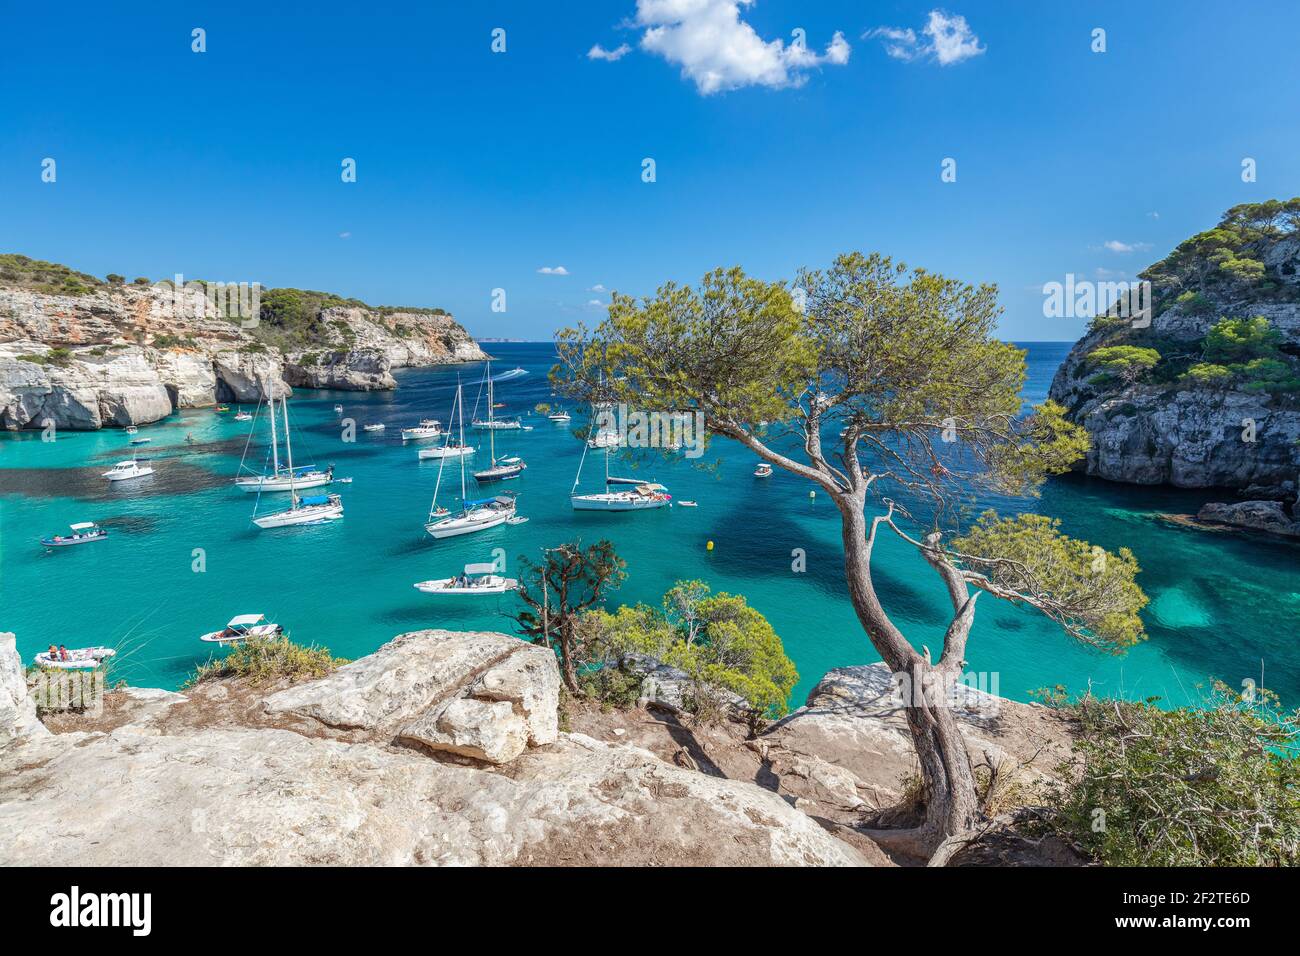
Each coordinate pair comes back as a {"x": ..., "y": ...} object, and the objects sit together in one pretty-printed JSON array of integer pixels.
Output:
[
  {"x": 445, "y": 748},
  {"x": 1201, "y": 396},
  {"x": 87, "y": 356}
]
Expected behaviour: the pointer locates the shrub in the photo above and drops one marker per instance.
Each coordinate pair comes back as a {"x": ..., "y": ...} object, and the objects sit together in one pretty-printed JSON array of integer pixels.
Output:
[
  {"x": 1194, "y": 303},
  {"x": 1127, "y": 362},
  {"x": 1208, "y": 375},
  {"x": 1240, "y": 340},
  {"x": 261, "y": 659},
  {"x": 1217, "y": 785}
]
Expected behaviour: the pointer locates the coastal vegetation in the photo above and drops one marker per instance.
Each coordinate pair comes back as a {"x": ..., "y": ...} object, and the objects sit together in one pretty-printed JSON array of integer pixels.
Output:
[
  {"x": 35, "y": 275},
  {"x": 262, "y": 659},
  {"x": 907, "y": 365},
  {"x": 717, "y": 640},
  {"x": 1216, "y": 785}
]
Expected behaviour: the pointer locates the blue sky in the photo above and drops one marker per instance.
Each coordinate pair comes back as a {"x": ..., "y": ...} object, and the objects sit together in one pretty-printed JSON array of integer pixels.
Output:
[{"x": 476, "y": 169}]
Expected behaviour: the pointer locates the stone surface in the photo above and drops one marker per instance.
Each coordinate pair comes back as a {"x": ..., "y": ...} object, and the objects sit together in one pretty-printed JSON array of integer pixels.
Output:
[
  {"x": 273, "y": 797},
  {"x": 490, "y": 731},
  {"x": 530, "y": 682},
  {"x": 1267, "y": 516},
  {"x": 17, "y": 709}
]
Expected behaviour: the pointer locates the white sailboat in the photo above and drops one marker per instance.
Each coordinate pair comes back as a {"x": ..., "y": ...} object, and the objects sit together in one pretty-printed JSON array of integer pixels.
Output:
[
  {"x": 280, "y": 479},
  {"x": 477, "y": 579},
  {"x": 492, "y": 423},
  {"x": 476, "y": 515},
  {"x": 302, "y": 510},
  {"x": 620, "y": 494},
  {"x": 500, "y": 469}
]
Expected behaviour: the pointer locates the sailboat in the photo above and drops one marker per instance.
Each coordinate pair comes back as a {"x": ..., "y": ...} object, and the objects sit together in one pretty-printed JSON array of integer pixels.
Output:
[
  {"x": 500, "y": 469},
  {"x": 306, "y": 476},
  {"x": 620, "y": 494},
  {"x": 492, "y": 423},
  {"x": 475, "y": 515},
  {"x": 302, "y": 510}
]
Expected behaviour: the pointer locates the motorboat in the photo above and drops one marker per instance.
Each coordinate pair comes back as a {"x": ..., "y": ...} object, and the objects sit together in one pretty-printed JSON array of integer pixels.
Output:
[
  {"x": 477, "y": 579},
  {"x": 241, "y": 628},
  {"x": 243, "y": 416},
  {"x": 83, "y": 532},
  {"x": 449, "y": 450},
  {"x": 373, "y": 427},
  {"x": 338, "y": 409},
  {"x": 428, "y": 428},
  {"x": 78, "y": 658},
  {"x": 143, "y": 440},
  {"x": 764, "y": 470},
  {"x": 131, "y": 468},
  {"x": 560, "y": 417}
]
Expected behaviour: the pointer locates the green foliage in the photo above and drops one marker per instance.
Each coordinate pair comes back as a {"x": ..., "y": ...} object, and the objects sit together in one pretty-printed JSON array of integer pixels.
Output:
[
  {"x": 114, "y": 279},
  {"x": 260, "y": 659},
  {"x": 1272, "y": 375},
  {"x": 21, "y": 272},
  {"x": 1195, "y": 303},
  {"x": 718, "y": 640},
  {"x": 140, "y": 280},
  {"x": 1217, "y": 785},
  {"x": 1240, "y": 340},
  {"x": 1090, "y": 592},
  {"x": 1209, "y": 375},
  {"x": 1126, "y": 362}
]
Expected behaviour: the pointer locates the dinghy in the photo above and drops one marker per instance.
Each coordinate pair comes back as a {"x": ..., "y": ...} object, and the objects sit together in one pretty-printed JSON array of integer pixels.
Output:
[
  {"x": 83, "y": 532},
  {"x": 241, "y": 628},
  {"x": 79, "y": 658},
  {"x": 477, "y": 579}
]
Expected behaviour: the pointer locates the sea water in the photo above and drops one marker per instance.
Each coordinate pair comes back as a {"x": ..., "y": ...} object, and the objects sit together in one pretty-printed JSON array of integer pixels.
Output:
[{"x": 183, "y": 557}]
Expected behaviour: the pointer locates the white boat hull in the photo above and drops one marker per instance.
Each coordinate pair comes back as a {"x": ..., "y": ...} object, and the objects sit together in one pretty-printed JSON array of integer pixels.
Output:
[
  {"x": 127, "y": 475},
  {"x": 453, "y": 452},
  {"x": 83, "y": 658},
  {"x": 310, "y": 514},
  {"x": 416, "y": 434},
  {"x": 617, "y": 501},
  {"x": 282, "y": 483},
  {"x": 261, "y": 630},
  {"x": 447, "y": 587},
  {"x": 480, "y": 519}
]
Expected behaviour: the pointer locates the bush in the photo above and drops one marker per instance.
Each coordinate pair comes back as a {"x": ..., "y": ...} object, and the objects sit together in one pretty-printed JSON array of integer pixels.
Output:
[
  {"x": 1241, "y": 340},
  {"x": 1211, "y": 786},
  {"x": 261, "y": 659},
  {"x": 1127, "y": 362},
  {"x": 1208, "y": 375}
]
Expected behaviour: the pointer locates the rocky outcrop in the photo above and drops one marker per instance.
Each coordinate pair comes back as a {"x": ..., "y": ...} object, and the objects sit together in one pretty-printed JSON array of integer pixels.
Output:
[
  {"x": 1267, "y": 516},
  {"x": 130, "y": 355},
  {"x": 17, "y": 709},
  {"x": 162, "y": 787}
]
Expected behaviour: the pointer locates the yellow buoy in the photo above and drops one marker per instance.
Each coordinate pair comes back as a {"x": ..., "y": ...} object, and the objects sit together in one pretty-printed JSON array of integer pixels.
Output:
[{"x": 709, "y": 546}]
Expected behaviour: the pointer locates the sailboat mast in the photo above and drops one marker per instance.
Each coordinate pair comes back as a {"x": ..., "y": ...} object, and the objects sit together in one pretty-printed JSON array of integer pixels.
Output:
[
  {"x": 460, "y": 419},
  {"x": 288, "y": 450},
  {"x": 492, "y": 432},
  {"x": 275, "y": 441}
]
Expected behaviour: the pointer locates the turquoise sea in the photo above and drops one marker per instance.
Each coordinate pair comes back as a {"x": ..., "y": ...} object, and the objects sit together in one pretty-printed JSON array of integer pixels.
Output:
[{"x": 1221, "y": 605}]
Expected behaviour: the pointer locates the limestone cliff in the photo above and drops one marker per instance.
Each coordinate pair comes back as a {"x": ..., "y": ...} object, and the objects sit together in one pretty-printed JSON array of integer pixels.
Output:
[
  {"x": 91, "y": 354},
  {"x": 1200, "y": 397}
]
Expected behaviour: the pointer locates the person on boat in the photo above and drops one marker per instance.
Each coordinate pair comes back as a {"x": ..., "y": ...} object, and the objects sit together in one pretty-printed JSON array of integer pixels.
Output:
[
  {"x": 63, "y": 653},
  {"x": 52, "y": 653}
]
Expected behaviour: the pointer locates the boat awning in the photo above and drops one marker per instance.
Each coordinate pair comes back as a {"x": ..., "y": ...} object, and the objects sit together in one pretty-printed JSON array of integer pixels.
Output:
[
  {"x": 314, "y": 500},
  {"x": 651, "y": 486},
  {"x": 479, "y": 502},
  {"x": 245, "y": 620},
  {"x": 474, "y": 569},
  {"x": 82, "y": 526}
]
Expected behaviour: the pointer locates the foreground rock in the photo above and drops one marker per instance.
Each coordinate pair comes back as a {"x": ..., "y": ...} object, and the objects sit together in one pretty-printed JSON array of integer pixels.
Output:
[
  {"x": 167, "y": 786},
  {"x": 130, "y": 355},
  {"x": 1267, "y": 516},
  {"x": 17, "y": 710}
]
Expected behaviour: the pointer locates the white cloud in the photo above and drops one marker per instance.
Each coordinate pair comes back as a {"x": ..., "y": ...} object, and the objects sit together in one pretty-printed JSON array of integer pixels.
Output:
[
  {"x": 345, "y": 235},
  {"x": 598, "y": 52},
  {"x": 719, "y": 51},
  {"x": 553, "y": 271},
  {"x": 946, "y": 38},
  {"x": 596, "y": 303},
  {"x": 1114, "y": 245},
  {"x": 597, "y": 288}
]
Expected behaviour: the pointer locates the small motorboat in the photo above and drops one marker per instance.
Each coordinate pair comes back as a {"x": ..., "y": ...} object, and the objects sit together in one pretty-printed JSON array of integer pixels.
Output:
[
  {"x": 428, "y": 428},
  {"x": 338, "y": 409},
  {"x": 140, "y": 441},
  {"x": 78, "y": 658},
  {"x": 344, "y": 481},
  {"x": 689, "y": 504},
  {"x": 517, "y": 519},
  {"x": 83, "y": 532},
  {"x": 131, "y": 429},
  {"x": 764, "y": 470},
  {"x": 241, "y": 628},
  {"x": 243, "y": 416},
  {"x": 373, "y": 427},
  {"x": 131, "y": 468},
  {"x": 559, "y": 417},
  {"x": 477, "y": 579}
]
